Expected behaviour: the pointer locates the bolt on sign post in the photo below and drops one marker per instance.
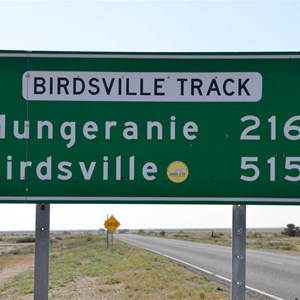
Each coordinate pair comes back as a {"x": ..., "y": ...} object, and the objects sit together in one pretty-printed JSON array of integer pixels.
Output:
[{"x": 200, "y": 128}]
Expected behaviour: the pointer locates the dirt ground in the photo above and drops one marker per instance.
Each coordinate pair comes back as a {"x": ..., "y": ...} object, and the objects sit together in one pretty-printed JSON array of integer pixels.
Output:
[{"x": 13, "y": 265}]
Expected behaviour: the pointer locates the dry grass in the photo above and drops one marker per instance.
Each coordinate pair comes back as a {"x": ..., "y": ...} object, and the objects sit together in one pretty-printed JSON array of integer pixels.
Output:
[{"x": 82, "y": 268}]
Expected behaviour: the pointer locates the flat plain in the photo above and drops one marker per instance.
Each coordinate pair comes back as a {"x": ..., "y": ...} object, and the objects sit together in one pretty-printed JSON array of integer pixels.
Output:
[{"x": 81, "y": 267}]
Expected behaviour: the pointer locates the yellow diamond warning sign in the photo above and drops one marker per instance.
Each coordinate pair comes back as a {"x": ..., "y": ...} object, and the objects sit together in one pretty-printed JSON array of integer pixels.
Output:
[{"x": 112, "y": 224}]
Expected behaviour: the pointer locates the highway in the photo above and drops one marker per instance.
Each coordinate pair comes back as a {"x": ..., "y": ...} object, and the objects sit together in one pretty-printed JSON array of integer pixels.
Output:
[{"x": 272, "y": 274}]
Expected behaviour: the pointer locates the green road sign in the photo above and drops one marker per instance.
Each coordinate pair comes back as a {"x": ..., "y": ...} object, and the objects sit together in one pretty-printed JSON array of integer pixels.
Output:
[{"x": 149, "y": 128}]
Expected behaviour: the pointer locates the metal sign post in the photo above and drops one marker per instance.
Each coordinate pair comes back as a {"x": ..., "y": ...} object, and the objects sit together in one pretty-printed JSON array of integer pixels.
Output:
[
  {"x": 238, "y": 280},
  {"x": 111, "y": 224},
  {"x": 41, "y": 264},
  {"x": 107, "y": 237},
  {"x": 112, "y": 242}
]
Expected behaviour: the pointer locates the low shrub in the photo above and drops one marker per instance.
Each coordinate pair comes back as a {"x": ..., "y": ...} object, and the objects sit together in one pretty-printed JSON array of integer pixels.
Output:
[{"x": 28, "y": 239}]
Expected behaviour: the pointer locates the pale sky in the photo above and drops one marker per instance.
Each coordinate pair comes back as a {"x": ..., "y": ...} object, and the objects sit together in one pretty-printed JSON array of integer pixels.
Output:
[{"x": 149, "y": 26}]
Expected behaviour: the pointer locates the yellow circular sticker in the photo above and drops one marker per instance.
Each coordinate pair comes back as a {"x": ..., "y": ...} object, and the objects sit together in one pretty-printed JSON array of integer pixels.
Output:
[{"x": 177, "y": 171}]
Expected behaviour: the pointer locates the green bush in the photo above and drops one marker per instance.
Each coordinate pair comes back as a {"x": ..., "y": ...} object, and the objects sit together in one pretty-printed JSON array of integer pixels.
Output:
[{"x": 291, "y": 230}]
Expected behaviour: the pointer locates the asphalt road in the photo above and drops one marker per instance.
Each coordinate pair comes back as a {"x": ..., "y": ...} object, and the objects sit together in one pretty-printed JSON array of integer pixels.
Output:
[{"x": 276, "y": 275}]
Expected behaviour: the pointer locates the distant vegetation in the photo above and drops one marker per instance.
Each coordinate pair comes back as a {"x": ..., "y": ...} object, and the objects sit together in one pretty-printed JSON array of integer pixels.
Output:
[
  {"x": 291, "y": 230},
  {"x": 276, "y": 240},
  {"x": 27, "y": 239}
]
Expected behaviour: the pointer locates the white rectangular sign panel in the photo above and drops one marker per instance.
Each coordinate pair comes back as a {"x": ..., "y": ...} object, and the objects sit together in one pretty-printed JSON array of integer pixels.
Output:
[{"x": 142, "y": 86}]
